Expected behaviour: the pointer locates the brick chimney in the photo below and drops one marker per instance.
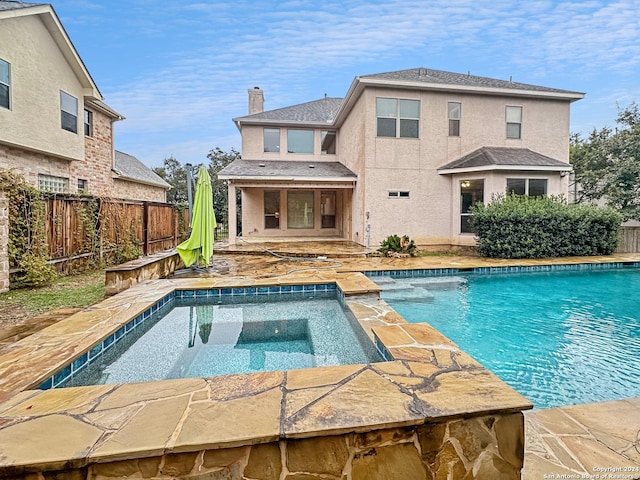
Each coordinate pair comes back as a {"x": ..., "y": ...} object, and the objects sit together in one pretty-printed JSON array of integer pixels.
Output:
[{"x": 256, "y": 101}]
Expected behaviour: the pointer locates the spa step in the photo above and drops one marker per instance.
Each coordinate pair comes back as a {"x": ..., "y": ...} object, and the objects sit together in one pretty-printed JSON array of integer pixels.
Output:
[
  {"x": 413, "y": 295},
  {"x": 438, "y": 283}
]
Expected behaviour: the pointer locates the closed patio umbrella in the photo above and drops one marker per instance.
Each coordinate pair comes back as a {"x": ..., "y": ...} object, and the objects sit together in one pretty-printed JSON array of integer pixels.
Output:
[{"x": 199, "y": 245}]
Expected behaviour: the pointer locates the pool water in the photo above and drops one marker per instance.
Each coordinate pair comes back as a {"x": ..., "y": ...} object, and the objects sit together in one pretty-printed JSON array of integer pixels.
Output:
[
  {"x": 203, "y": 338},
  {"x": 558, "y": 338}
]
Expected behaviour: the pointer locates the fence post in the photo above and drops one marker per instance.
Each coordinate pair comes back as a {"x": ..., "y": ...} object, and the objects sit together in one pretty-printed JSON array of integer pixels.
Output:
[
  {"x": 145, "y": 227},
  {"x": 4, "y": 242}
]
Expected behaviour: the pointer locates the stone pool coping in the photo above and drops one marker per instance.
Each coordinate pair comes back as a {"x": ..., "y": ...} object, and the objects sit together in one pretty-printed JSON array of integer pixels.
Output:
[{"x": 428, "y": 380}]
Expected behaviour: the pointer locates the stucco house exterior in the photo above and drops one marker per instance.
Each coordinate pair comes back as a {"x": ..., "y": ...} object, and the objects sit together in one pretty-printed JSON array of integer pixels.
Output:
[
  {"x": 55, "y": 129},
  {"x": 405, "y": 152}
]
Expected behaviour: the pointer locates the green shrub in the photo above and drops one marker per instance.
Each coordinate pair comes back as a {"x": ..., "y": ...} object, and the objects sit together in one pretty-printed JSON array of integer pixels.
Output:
[
  {"x": 35, "y": 271},
  {"x": 394, "y": 245},
  {"x": 540, "y": 227}
]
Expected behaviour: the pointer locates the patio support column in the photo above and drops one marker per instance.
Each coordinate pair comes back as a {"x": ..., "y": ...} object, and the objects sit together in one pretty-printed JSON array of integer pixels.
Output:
[{"x": 232, "y": 208}]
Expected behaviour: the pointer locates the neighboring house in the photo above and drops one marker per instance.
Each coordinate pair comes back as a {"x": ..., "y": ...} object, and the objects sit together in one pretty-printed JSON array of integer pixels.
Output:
[
  {"x": 404, "y": 152},
  {"x": 54, "y": 128}
]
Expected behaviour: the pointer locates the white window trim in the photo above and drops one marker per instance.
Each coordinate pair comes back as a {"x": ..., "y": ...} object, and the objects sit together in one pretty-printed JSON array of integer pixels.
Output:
[
  {"x": 507, "y": 122},
  {"x": 526, "y": 184},
  {"x": 398, "y": 117}
]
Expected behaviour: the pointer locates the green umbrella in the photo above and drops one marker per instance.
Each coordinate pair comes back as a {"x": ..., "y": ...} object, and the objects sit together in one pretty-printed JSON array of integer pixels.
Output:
[{"x": 199, "y": 245}]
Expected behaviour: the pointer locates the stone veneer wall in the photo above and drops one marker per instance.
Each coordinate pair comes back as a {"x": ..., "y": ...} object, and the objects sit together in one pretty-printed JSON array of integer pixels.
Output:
[
  {"x": 138, "y": 191},
  {"x": 30, "y": 164},
  {"x": 487, "y": 447},
  {"x": 98, "y": 158},
  {"x": 4, "y": 243}
]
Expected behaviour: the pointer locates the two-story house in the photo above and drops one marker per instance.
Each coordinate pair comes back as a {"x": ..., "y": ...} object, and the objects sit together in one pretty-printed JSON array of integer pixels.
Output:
[
  {"x": 55, "y": 129},
  {"x": 404, "y": 152}
]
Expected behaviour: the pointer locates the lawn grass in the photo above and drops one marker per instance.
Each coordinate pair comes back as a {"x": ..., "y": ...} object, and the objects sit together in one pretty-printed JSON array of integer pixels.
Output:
[{"x": 68, "y": 291}]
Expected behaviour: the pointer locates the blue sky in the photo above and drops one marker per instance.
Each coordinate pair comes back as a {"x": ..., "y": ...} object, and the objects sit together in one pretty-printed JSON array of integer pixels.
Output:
[{"x": 179, "y": 71}]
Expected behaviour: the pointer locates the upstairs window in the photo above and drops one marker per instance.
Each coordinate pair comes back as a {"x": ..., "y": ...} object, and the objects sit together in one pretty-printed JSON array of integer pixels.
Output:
[
  {"x": 454, "y": 109},
  {"x": 69, "y": 112},
  {"x": 83, "y": 185},
  {"x": 328, "y": 143},
  {"x": 397, "y": 118},
  {"x": 5, "y": 84},
  {"x": 271, "y": 140},
  {"x": 299, "y": 141},
  {"x": 514, "y": 122},
  {"x": 88, "y": 123},
  {"x": 532, "y": 187}
]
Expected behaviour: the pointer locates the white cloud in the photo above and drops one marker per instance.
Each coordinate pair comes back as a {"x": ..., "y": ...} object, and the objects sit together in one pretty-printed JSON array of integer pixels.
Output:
[{"x": 210, "y": 53}]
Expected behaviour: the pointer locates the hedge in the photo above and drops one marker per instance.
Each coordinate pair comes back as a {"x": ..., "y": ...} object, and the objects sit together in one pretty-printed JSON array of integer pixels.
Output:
[{"x": 539, "y": 227}]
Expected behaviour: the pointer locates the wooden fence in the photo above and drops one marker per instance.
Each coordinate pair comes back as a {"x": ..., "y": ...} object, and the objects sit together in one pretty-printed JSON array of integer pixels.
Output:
[
  {"x": 86, "y": 228},
  {"x": 629, "y": 240}
]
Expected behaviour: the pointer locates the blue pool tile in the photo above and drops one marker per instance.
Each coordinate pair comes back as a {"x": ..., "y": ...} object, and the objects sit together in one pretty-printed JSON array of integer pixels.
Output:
[
  {"x": 201, "y": 293},
  {"x": 237, "y": 291},
  {"x": 250, "y": 290},
  {"x": 120, "y": 333},
  {"x": 309, "y": 288},
  {"x": 297, "y": 288},
  {"x": 213, "y": 292},
  {"x": 274, "y": 290},
  {"x": 107, "y": 342},
  {"x": 226, "y": 291},
  {"x": 332, "y": 287},
  {"x": 263, "y": 290},
  {"x": 80, "y": 362},
  {"x": 187, "y": 294},
  {"x": 129, "y": 326},
  {"x": 47, "y": 384},
  {"x": 95, "y": 351},
  {"x": 285, "y": 288},
  {"x": 62, "y": 375},
  {"x": 138, "y": 320}
]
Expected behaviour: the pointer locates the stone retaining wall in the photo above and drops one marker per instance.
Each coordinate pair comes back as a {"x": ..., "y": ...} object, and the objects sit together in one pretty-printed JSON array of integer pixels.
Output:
[
  {"x": 126, "y": 275},
  {"x": 489, "y": 447}
]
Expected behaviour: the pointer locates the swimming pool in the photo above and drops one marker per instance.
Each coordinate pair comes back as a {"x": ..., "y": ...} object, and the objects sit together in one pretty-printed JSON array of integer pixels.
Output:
[
  {"x": 558, "y": 338},
  {"x": 242, "y": 331}
]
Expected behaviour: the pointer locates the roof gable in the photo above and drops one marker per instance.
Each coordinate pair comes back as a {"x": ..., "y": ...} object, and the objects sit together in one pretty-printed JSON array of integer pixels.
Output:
[{"x": 54, "y": 26}]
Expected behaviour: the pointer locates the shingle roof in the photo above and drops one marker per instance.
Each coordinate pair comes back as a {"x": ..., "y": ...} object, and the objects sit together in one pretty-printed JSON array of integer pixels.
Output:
[
  {"x": 14, "y": 5},
  {"x": 284, "y": 169},
  {"x": 130, "y": 168},
  {"x": 519, "y": 158},
  {"x": 428, "y": 76},
  {"x": 321, "y": 111}
]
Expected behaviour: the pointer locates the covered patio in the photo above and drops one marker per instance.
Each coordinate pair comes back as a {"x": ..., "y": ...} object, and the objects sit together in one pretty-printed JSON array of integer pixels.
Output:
[{"x": 290, "y": 199}]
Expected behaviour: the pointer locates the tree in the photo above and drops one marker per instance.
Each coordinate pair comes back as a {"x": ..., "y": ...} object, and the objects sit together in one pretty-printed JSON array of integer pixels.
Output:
[
  {"x": 175, "y": 174},
  {"x": 220, "y": 159},
  {"x": 607, "y": 164}
]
